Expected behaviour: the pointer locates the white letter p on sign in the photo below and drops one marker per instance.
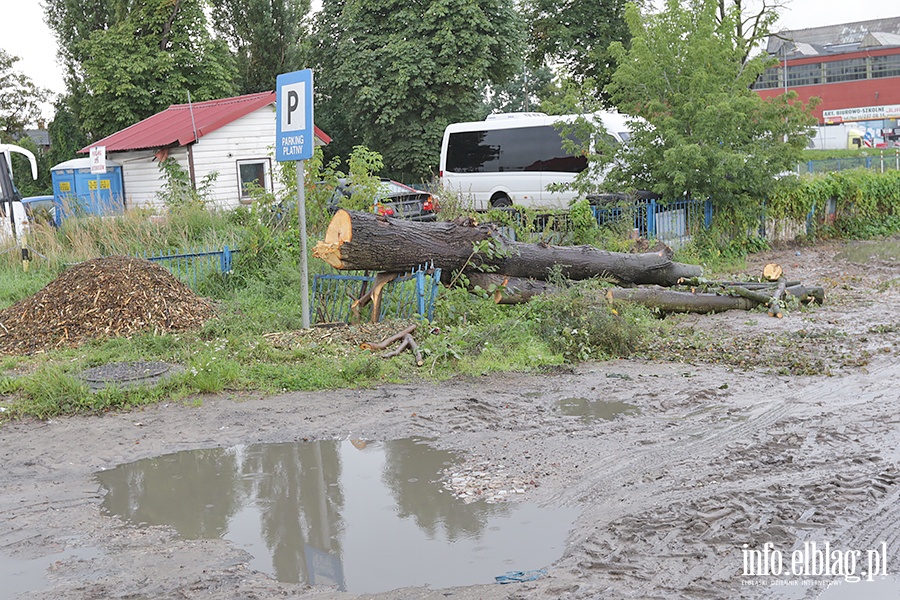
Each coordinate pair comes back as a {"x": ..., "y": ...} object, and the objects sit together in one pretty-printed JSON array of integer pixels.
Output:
[{"x": 293, "y": 99}]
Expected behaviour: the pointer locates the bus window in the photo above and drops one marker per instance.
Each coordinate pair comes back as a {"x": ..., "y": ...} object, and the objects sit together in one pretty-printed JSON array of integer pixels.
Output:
[{"x": 511, "y": 150}]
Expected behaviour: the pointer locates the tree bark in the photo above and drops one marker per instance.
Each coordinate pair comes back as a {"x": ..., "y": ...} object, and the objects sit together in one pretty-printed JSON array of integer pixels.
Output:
[
  {"x": 682, "y": 302},
  {"x": 508, "y": 290},
  {"x": 360, "y": 241}
]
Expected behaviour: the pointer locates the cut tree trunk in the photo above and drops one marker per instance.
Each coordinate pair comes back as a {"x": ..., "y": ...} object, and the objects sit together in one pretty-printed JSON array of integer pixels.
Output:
[
  {"x": 669, "y": 301},
  {"x": 508, "y": 290},
  {"x": 360, "y": 241}
]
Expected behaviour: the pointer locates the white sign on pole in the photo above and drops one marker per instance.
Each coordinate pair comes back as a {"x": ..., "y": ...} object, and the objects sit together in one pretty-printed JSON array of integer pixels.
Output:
[{"x": 98, "y": 160}]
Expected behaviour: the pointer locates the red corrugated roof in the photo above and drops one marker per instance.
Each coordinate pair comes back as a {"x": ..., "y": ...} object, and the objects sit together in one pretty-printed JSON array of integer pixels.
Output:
[{"x": 175, "y": 125}]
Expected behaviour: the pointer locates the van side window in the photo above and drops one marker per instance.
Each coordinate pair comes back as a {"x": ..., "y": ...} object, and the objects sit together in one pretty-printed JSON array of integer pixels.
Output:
[{"x": 510, "y": 150}]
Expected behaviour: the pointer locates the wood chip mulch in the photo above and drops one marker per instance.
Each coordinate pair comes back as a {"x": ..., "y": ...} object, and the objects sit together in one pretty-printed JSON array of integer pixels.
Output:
[{"x": 115, "y": 296}]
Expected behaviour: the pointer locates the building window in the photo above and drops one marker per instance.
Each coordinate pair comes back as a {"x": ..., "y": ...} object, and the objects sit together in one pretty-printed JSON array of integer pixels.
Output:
[
  {"x": 845, "y": 70},
  {"x": 886, "y": 66},
  {"x": 804, "y": 75},
  {"x": 770, "y": 78},
  {"x": 253, "y": 174}
]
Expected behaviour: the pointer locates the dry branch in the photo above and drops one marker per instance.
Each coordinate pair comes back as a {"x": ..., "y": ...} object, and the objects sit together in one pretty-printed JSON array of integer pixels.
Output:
[{"x": 383, "y": 344}]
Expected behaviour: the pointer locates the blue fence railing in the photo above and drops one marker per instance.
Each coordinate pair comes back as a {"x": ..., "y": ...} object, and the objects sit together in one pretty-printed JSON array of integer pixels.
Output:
[
  {"x": 671, "y": 222},
  {"x": 888, "y": 160},
  {"x": 412, "y": 294},
  {"x": 191, "y": 266}
]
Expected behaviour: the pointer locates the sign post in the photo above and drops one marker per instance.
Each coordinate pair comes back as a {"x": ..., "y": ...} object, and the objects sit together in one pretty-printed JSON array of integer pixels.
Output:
[{"x": 295, "y": 140}]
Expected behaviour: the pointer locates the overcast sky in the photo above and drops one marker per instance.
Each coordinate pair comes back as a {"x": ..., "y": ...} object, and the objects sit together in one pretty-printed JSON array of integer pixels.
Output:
[{"x": 24, "y": 34}]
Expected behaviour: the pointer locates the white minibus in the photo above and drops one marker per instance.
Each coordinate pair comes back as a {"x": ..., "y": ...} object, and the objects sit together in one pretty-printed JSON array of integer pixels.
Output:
[{"x": 509, "y": 160}]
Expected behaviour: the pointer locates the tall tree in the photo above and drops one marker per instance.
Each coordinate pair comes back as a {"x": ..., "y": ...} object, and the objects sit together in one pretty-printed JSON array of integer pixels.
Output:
[
  {"x": 20, "y": 98},
  {"x": 128, "y": 60},
  {"x": 751, "y": 20},
  {"x": 264, "y": 36},
  {"x": 392, "y": 74},
  {"x": 522, "y": 93},
  {"x": 573, "y": 36},
  {"x": 703, "y": 132}
]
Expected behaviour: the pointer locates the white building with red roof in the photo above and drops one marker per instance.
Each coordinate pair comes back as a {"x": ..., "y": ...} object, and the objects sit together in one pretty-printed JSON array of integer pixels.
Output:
[{"x": 223, "y": 145}]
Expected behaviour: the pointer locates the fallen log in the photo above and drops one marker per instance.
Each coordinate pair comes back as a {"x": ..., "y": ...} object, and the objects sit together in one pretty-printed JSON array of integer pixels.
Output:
[
  {"x": 515, "y": 290},
  {"x": 508, "y": 290},
  {"x": 807, "y": 294},
  {"x": 669, "y": 301},
  {"x": 366, "y": 241}
]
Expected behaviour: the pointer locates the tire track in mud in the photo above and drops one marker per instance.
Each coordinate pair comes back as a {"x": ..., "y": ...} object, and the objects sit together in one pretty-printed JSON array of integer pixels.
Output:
[{"x": 791, "y": 471}]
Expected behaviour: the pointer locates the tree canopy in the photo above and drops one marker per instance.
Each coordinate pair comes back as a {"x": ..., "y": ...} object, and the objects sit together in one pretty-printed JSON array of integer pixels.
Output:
[
  {"x": 574, "y": 37},
  {"x": 130, "y": 60},
  {"x": 391, "y": 75},
  {"x": 20, "y": 98},
  {"x": 702, "y": 130},
  {"x": 264, "y": 36}
]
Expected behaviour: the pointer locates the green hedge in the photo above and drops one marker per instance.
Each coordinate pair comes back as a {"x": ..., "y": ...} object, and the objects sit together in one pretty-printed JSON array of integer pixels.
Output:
[{"x": 865, "y": 203}]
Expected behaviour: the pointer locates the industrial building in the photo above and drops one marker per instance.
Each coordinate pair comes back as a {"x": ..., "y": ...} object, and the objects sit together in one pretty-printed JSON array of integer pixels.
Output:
[{"x": 854, "y": 68}]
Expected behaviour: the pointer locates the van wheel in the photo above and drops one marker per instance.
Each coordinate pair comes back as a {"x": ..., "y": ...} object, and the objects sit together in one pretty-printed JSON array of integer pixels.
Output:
[{"x": 500, "y": 200}]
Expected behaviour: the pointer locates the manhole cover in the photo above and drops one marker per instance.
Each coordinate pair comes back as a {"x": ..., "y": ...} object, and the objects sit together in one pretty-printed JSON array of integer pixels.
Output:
[{"x": 126, "y": 374}]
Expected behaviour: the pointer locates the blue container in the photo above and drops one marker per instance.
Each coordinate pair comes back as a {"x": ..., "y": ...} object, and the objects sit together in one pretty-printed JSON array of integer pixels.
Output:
[{"x": 77, "y": 191}]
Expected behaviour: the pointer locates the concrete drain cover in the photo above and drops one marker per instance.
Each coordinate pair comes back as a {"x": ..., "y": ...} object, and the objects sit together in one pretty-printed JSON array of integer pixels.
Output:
[{"x": 128, "y": 374}]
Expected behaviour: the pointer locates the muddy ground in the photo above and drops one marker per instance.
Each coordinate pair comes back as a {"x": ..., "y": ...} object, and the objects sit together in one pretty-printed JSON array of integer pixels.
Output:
[{"x": 801, "y": 444}]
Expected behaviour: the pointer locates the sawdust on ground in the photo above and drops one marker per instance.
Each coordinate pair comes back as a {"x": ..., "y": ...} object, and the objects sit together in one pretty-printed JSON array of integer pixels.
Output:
[{"x": 115, "y": 296}]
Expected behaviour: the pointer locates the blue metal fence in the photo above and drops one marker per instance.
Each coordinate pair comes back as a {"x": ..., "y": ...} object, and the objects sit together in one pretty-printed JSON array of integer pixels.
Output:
[
  {"x": 884, "y": 161},
  {"x": 671, "y": 222},
  {"x": 412, "y": 294},
  {"x": 190, "y": 266}
]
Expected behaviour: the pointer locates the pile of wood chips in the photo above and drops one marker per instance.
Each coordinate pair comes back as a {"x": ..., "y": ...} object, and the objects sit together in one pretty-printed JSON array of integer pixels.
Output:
[{"x": 115, "y": 296}]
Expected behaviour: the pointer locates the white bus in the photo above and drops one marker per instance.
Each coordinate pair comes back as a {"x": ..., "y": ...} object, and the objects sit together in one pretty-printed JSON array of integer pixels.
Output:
[{"x": 510, "y": 160}]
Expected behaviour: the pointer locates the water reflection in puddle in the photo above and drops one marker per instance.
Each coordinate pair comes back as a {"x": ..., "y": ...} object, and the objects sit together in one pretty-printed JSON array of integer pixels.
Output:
[
  {"x": 361, "y": 516},
  {"x": 591, "y": 410},
  {"x": 864, "y": 251}
]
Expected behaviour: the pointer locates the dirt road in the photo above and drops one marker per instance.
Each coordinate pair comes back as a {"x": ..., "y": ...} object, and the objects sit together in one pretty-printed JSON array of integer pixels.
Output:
[{"x": 718, "y": 463}]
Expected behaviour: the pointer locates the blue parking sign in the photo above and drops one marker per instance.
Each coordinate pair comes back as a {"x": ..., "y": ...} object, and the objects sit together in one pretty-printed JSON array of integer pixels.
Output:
[{"x": 294, "y": 134}]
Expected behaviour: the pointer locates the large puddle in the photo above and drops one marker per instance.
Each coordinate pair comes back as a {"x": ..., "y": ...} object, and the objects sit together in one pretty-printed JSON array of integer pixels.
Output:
[
  {"x": 359, "y": 516},
  {"x": 865, "y": 251}
]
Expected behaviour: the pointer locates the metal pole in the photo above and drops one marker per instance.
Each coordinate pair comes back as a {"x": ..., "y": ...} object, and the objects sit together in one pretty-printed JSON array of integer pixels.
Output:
[{"x": 304, "y": 266}]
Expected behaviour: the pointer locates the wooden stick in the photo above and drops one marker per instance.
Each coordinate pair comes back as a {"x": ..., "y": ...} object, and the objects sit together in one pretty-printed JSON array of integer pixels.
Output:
[
  {"x": 399, "y": 349},
  {"x": 775, "y": 302},
  {"x": 414, "y": 348},
  {"x": 383, "y": 344}
]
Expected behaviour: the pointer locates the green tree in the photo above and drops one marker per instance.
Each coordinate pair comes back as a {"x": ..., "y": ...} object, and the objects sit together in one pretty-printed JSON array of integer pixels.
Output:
[
  {"x": 523, "y": 93},
  {"x": 20, "y": 99},
  {"x": 130, "y": 60},
  {"x": 264, "y": 36},
  {"x": 391, "y": 75},
  {"x": 574, "y": 37},
  {"x": 65, "y": 133},
  {"x": 703, "y": 132}
]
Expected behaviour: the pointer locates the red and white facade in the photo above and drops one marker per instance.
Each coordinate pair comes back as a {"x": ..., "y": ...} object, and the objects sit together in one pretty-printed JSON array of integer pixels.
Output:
[{"x": 854, "y": 69}]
